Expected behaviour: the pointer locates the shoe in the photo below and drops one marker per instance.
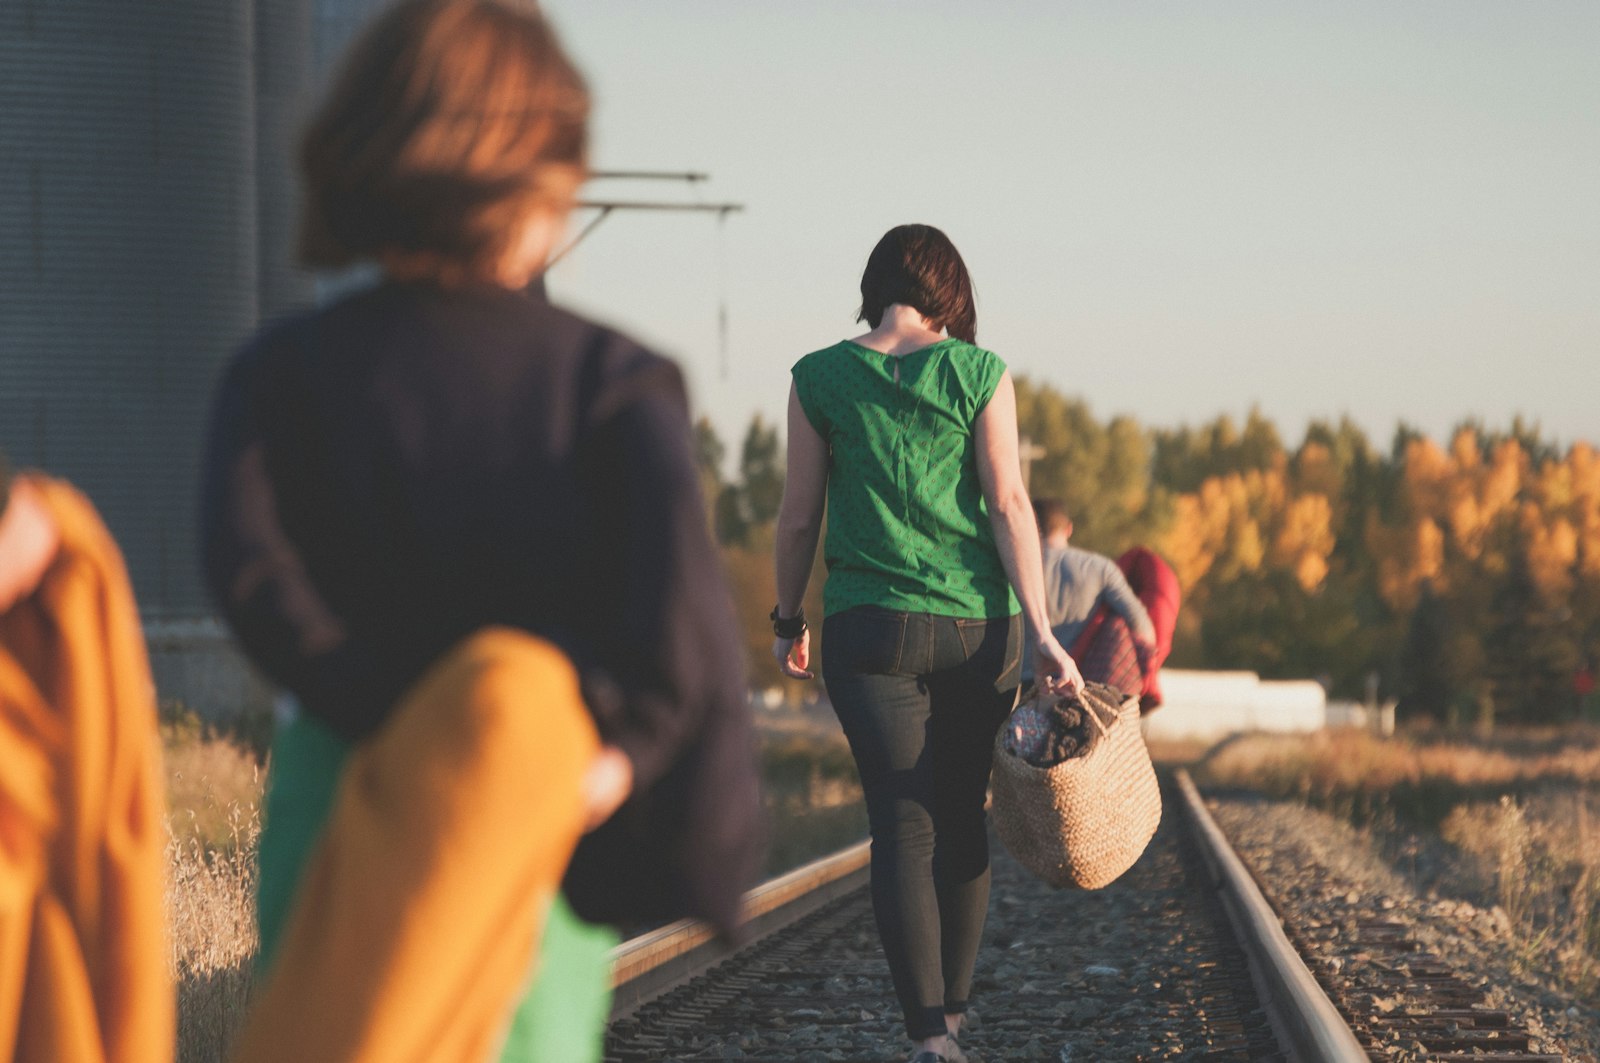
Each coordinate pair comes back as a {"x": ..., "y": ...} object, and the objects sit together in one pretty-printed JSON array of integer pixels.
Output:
[{"x": 928, "y": 1057}]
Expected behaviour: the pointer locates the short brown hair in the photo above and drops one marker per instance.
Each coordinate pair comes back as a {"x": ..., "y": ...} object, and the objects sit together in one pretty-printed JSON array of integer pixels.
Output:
[
  {"x": 1051, "y": 513},
  {"x": 448, "y": 123},
  {"x": 918, "y": 266}
]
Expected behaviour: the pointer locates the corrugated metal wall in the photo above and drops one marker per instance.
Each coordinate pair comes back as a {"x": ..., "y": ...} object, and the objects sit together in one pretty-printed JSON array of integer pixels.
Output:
[
  {"x": 337, "y": 24},
  {"x": 284, "y": 56},
  {"x": 131, "y": 158}
]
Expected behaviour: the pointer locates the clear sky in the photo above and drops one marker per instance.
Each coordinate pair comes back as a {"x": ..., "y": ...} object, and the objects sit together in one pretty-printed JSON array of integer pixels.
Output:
[{"x": 1388, "y": 209}]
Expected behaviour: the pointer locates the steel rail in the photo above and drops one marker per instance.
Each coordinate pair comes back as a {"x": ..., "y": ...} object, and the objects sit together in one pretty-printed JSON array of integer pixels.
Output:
[
  {"x": 1308, "y": 1024},
  {"x": 1306, "y": 1020},
  {"x": 649, "y": 965}
]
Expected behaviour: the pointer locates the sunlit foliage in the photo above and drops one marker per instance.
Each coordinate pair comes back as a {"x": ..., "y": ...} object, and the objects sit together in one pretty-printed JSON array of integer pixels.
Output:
[{"x": 1462, "y": 577}]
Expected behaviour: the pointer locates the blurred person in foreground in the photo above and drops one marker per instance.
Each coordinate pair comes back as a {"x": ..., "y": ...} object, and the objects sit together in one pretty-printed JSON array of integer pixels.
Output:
[
  {"x": 83, "y": 938},
  {"x": 1156, "y": 585},
  {"x": 463, "y": 529},
  {"x": 1079, "y": 584},
  {"x": 908, "y": 433}
]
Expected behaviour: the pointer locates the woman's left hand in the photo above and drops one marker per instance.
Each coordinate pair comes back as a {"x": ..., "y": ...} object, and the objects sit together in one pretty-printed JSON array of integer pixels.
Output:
[
  {"x": 794, "y": 655},
  {"x": 28, "y": 543}
]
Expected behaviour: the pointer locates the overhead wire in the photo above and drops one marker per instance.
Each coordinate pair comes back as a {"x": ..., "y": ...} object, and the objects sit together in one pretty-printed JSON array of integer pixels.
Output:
[{"x": 694, "y": 180}]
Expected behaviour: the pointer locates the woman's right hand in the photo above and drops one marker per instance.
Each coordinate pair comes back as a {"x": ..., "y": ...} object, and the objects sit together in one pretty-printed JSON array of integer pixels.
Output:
[
  {"x": 1054, "y": 669},
  {"x": 794, "y": 655},
  {"x": 606, "y": 785}
]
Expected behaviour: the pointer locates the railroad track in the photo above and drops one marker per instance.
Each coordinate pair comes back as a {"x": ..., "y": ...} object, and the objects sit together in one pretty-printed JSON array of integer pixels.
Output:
[{"x": 1182, "y": 958}]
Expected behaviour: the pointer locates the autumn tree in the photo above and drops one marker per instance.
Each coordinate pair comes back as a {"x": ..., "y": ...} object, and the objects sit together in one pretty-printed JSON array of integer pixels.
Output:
[
  {"x": 1101, "y": 471},
  {"x": 708, "y": 457},
  {"x": 1184, "y": 458},
  {"x": 1502, "y": 527},
  {"x": 761, "y": 472},
  {"x": 1466, "y": 573}
]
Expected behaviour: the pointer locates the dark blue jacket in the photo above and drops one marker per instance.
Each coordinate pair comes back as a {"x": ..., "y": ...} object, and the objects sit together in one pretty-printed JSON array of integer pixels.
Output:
[{"x": 394, "y": 471}]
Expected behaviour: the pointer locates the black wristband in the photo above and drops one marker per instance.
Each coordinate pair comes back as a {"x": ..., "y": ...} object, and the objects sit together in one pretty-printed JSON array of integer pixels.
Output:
[{"x": 788, "y": 627}]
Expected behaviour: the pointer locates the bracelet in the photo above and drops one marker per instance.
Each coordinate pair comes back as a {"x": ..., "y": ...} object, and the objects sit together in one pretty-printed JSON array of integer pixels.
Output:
[{"x": 788, "y": 627}]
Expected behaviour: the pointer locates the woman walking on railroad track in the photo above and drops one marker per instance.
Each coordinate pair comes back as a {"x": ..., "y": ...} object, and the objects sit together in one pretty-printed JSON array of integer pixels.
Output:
[
  {"x": 463, "y": 528},
  {"x": 908, "y": 433}
]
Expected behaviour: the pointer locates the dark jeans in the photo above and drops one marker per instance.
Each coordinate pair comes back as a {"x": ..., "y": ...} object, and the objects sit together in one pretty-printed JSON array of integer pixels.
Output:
[{"x": 921, "y": 697}]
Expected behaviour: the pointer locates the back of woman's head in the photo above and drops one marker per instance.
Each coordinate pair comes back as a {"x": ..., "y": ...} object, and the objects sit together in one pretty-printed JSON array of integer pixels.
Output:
[
  {"x": 449, "y": 123},
  {"x": 918, "y": 266}
]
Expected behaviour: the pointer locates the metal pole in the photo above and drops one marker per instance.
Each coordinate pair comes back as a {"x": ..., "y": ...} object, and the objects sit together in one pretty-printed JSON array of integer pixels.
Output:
[{"x": 1029, "y": 452}]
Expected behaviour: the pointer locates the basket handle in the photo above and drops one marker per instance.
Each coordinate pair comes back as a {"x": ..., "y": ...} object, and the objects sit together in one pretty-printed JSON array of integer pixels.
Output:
[
  {"x": 1094, "y": 715},
  {"x": 1089, "y": 710}
]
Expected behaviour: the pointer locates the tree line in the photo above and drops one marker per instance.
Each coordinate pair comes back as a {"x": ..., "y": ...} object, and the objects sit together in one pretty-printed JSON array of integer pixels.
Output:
[{"x": 1462, "y": 579}]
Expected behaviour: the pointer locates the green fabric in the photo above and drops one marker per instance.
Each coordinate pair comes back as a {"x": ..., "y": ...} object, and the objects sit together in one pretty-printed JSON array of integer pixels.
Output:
[
  {"x": 562, "y": 1015},
  {"x": 907, "y": 524},
  {"x": 306, "y": 761}
]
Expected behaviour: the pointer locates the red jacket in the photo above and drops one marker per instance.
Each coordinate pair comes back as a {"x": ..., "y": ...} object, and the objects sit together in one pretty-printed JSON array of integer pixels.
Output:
[{"x": 1153, "y": 580}]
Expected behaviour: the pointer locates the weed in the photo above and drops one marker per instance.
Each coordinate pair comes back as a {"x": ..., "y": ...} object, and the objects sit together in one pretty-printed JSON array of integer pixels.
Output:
[
  {"x": 1514, "y": 807},
  {"x": 813, "y": 800},
  {"x": 211, "y": 913}
]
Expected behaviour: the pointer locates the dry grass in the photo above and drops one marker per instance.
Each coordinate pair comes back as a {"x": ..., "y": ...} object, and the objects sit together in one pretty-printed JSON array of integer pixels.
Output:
[
  {"x": 211, "y": 905},
  {"x": 1177, "y": 752},
  {"x": 214, "y": 820},
  {"x": 1543, "y": 859},
  {"x": 1421, "y": 776},
  {"x": 813, "y": 799},
  {"x": 1516, "y": 808},
  {"x": 211, "y": 783}
]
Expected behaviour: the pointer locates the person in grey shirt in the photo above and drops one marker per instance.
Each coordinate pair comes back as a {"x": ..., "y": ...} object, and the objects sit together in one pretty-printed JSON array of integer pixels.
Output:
[{"x": 1077, "y": 582}]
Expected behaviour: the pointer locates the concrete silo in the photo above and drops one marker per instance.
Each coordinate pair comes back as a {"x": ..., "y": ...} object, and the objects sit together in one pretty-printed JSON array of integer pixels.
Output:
[
  {"x": 284, "y": 60},
  {"x": 128, "y": 265},
  {"x": 338, "y": 22},
  {"x": 147, "y": 223}
]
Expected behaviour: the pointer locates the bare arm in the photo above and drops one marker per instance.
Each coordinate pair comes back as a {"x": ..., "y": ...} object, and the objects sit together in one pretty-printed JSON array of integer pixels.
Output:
[
  {"x": 799, "y": 526},
  {"x": 1016, "y": 535}
]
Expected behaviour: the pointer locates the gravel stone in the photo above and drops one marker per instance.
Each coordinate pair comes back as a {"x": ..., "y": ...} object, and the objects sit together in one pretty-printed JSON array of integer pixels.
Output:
[
  {"x": 1326, "y": 878},
  {"x": 1145, "y": 969}
]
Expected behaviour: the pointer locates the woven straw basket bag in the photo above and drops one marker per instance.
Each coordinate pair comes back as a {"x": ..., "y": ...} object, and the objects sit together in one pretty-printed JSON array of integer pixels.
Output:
[{"x": 1083, "y": 822}]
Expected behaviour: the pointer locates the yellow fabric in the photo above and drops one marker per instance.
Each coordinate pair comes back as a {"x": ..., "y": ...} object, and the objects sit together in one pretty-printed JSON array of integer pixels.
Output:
[
  {"x": 83, "y": 947},
  {"x": 415, "y": 925}
]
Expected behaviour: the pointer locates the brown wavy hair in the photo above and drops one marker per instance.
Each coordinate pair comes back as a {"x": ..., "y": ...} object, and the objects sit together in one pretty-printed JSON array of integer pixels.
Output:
[
  {"x": 1051, "y": 515},
  {"x": 918, "y": 266},
  {"x": 448, "y": 123}
]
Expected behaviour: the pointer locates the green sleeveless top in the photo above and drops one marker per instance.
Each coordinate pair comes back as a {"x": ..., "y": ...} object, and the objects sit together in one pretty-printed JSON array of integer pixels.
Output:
[{"x": 908, "y": 528}]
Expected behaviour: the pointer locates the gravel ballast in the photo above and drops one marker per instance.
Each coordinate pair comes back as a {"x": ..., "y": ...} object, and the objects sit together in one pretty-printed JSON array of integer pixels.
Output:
[
  {"x": 1145, "y": 969},
  {"x": 1323, "y": 874}
]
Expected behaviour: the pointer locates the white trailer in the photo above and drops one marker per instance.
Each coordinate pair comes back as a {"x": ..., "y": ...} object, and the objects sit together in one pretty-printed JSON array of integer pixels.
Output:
[{"x": 1212, "y": 705}]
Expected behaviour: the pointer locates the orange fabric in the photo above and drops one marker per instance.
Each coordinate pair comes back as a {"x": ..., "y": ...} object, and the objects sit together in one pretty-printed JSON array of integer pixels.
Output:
[
  {"x": 416, "y": 923},
  {"x": 83, "y": 945}
]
